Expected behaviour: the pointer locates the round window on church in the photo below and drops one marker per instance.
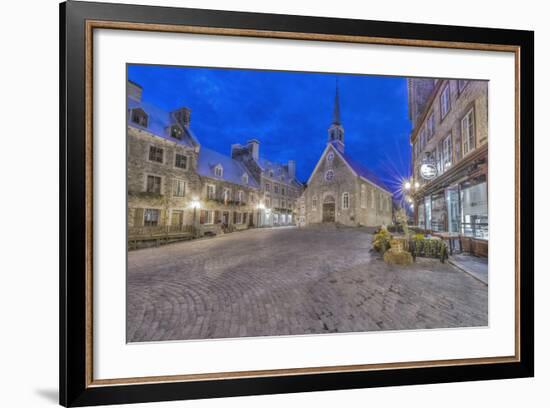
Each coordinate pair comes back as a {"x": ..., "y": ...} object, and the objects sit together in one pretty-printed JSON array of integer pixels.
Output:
[
  {"x": 329, "y": 175},
  {"x": 330, "y": 156}
]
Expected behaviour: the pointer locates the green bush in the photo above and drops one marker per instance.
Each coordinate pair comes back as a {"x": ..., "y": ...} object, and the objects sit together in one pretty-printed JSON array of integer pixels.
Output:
[
  {"x": 381, "y": 240},
  {"x": 428, "y": 247}
]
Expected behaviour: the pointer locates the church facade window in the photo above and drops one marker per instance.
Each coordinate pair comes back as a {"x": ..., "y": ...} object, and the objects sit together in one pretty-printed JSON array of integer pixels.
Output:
[
  {"x": 314, "y": 203},
  {"x": 330, "y": 157},
  {"x": 345, "y": 201},
  {"x": 329, "y": 175}
]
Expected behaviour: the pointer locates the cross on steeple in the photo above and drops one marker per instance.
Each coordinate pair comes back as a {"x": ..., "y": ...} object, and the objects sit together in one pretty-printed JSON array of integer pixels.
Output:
[{"x": 336, "y": 130}]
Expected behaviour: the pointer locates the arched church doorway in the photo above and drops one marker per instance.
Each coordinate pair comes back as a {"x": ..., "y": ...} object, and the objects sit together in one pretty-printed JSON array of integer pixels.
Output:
[{"x": 329, "y": 209}]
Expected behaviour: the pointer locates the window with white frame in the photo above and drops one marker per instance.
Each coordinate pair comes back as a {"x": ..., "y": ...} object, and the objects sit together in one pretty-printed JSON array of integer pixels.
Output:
[
  {"x": 345, "y": 201},
  {"x": 238, "y": 218},
  {"x": 240, "y": 196},
  {"x": 153, "y": 184},
  {"x": 209, "y": 219},
  {"x": 156, "y": 154},
  {"x": 245, "y": 178},
  {"x": 267, "y": 187},
  {"x": 210, "y": 191},
  {"x": 226, "y": 194},
  {"x": 151, "y": 217},
  {"x": 276, "y": 188},
  {"x": 468, "y": 132},
  {"x": 363, "y": 196},
  {"x": 179, "y": 188},
  {"x": 218, "y": 170},
  {"x": 445, "y": 100},
  {"x": 447, "y": 152},
  {"x": 430, "y": 126},
  {"x": 181, "y": 161}
]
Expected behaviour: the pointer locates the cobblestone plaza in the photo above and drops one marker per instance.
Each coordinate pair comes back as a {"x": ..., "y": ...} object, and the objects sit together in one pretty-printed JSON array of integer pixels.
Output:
[{"x": 291, "y": 281}]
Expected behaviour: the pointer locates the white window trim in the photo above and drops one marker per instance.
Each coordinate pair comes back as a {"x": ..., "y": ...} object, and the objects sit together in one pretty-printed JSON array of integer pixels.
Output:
[
  {"x": 363, "y": 196},
  {"x": 213, "y": 191},
  {"x": 154, "y": 175},
  {"x": 344, "y": 205},
  {"x": 175, "y": 181},
  {"x": 186, "y": 162},
  {"x": 148, "y": 150},
  {"x": 240, "y": 196},
  {"x": 220, "y": 168},
  {"x": 152, "y": 208},
  {"x": 446, "y": 87},
  {"x": 470, "y": 148}
]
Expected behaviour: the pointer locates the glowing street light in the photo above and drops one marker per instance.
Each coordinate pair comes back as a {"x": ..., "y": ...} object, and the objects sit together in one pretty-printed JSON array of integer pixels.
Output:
[
  {"x": 407, "y": 185},
  {"x": 416, "y": 184},
  {"x": 195, "y": 203}
]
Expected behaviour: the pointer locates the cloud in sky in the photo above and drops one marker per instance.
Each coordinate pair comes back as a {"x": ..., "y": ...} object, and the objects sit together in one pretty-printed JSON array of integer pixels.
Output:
[{"x": 288, "y": 112}]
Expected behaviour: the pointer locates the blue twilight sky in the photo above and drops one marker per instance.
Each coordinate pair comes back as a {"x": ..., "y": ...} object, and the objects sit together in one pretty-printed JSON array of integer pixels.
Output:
[{"x": 288, "y": 112}]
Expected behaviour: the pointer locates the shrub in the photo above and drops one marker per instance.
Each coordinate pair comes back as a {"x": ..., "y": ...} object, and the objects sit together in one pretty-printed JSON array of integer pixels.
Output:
[
  {"x": 398, "y": 257},
  {"x": 381, "y": 240},
  {"x": 428, "y": 247}
]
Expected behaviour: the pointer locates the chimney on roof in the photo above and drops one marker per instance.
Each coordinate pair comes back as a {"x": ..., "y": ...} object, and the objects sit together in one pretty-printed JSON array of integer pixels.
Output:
[
  {"x": 292, "y": 169},
  {"x": 254, "y": 148},
  {"x": 183, "y": 116}
]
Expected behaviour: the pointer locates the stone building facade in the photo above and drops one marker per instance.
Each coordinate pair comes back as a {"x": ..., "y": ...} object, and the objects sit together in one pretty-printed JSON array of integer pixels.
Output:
[
  {"x": 450, "y": 155},
  {"x": 341, "y": 190},
  {"x": 176, "y": 185}
]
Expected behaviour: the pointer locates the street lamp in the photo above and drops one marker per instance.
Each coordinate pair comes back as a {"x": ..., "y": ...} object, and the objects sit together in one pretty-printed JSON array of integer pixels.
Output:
[
  {"x": 407, "y": 185},
  {"x": 260, "y": 206},
  {"x": 416, "y": 184},
  {"x": 195, "y": 203}
]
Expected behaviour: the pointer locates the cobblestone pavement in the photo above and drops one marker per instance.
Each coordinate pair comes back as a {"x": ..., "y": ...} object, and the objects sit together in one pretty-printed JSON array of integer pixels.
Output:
[{"x": 291, "y": 281}]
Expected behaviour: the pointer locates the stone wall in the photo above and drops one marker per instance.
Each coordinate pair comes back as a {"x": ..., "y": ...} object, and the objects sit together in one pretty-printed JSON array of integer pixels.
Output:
[{"x": 344, "y": 181}]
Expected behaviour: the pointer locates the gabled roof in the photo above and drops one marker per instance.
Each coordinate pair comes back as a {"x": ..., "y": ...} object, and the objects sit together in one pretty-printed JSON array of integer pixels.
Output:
[
  {"x": 357, "y": 168},
  {"x": 159, "y": 122},
  {"x": 233, "y": 170}
]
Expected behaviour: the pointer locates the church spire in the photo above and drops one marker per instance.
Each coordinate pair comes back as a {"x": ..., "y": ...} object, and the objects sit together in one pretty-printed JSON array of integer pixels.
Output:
[
  {"x": 336, "y": 111},
  {"x": 336, "y": 130}
]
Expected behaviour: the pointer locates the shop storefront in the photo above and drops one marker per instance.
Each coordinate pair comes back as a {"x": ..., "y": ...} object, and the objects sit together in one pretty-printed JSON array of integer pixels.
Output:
[{"x": 454, "y": 205}]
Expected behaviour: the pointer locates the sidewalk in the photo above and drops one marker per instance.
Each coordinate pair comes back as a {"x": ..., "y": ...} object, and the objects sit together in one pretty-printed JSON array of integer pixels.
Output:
[{"x": 472, "y": 265}]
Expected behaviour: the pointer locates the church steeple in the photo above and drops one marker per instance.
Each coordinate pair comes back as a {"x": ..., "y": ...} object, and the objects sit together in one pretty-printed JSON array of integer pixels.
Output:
[{"x": 336, "y": 130}]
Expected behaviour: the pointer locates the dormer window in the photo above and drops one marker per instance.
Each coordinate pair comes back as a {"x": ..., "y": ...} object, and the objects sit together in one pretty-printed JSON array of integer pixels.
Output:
[
  {"x": 139, "y": 117},
  {"x": 245, "y": 178},
  {"x": 218, "y": 171},
  {"x": 270, "y": 173},
  {"x": 176, "y": 132}
]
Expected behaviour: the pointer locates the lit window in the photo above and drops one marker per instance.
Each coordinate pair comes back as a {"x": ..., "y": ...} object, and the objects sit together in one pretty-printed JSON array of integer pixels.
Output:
[
  {"x": 181, "y": 161},
  {"x": 468, "y": 132},
  {"x": 345, "y": 201},
  {"x": 179, "y": 188},
  {"x": 445, "y": 100},
  {"x": 151, "y": 217},
  {"x": 156, "y": 154},
  {"x": 329, "y": 175},
  {"x": 153, "y": 184}
]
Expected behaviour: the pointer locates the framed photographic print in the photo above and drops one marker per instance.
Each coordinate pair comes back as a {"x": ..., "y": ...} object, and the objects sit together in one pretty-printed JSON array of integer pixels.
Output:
[{"x": 256, "y": 204}]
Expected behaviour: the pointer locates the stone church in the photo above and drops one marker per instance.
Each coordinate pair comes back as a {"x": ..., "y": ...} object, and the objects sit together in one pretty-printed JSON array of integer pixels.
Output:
[{"x": 341, "y": 190}]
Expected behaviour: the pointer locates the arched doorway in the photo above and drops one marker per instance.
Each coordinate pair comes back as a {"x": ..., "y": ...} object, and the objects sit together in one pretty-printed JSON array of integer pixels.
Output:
[{"x": 329, "y": 209}]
